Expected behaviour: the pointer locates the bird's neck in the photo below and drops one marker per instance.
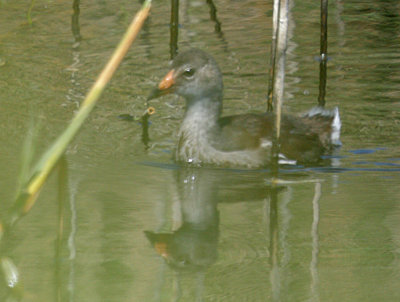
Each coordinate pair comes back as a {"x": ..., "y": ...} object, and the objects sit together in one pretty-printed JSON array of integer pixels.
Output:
[
  {"x": 198, "y": 129},
  {"x": 202, "y": 113}
]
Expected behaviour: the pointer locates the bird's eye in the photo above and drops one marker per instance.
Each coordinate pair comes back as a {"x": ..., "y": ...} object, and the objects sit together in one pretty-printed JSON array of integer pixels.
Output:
[{"x": 189, "y": 72}]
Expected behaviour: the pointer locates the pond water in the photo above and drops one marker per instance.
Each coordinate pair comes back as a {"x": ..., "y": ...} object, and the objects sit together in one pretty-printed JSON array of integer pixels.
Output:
[{"x": 121, "y": 222}]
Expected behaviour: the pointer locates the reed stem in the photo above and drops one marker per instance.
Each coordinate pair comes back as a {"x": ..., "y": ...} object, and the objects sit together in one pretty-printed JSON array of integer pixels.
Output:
[
  {"x": 174, "y": 28},
  {"x": 323, "y": 53},
  {"x": 275, "y": 29},
  {"x": 279, "y": 78}
]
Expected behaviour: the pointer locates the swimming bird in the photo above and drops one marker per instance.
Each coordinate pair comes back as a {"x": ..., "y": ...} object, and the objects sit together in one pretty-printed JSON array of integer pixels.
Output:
[{"x": 243, "y": 140}]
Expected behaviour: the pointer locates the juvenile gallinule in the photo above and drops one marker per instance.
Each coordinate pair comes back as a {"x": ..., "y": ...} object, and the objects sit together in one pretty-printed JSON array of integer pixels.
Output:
[{"x": 239, "y": 140}]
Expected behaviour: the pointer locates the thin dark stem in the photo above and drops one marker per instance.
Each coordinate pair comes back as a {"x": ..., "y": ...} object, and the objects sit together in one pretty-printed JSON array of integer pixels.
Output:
[
  {"x": 76, "y": 30},
  {"x": 217, "y": 23},
  {"x": 323, "y": 53},
  {"x": 213, "y": 16},
  {"x": 145, "y": 130},
  {"x": 275, "y": 30},
  {"x": 174, "y": 24}
]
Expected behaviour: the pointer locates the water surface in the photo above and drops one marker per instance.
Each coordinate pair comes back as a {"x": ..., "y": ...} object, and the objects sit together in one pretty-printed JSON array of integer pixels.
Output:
[{"x": 135, "y": 226}]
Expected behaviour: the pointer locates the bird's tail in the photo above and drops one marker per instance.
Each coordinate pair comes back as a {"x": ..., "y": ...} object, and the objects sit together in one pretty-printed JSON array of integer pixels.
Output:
[{"x": 329, "y": 122}]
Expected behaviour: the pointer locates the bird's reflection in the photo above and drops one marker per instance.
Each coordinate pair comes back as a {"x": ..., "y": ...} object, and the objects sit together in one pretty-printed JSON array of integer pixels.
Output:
[{"x": 193, "y": 245}]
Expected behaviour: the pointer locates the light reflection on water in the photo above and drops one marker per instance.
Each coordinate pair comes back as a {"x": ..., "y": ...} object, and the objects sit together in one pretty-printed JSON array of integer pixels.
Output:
[{"x": 324, "y": 233}]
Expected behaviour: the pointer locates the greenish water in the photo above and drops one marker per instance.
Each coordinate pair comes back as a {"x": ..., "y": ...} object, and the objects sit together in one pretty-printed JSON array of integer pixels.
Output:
[{"x": 324, "y": 234}]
